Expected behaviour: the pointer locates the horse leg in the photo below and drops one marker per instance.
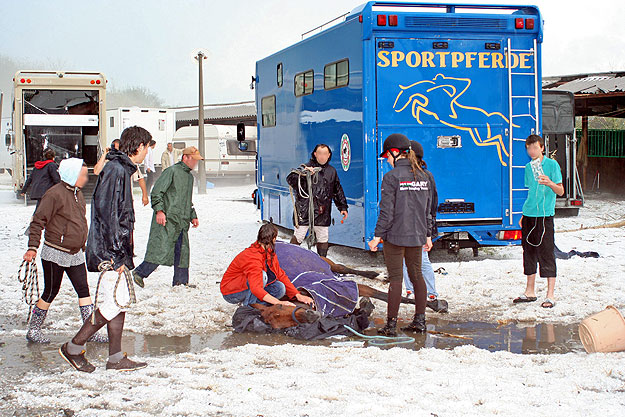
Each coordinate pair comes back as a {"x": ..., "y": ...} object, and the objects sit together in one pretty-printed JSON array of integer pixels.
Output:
[
  {"x": 342, "y": 269},
  {"x": 367, "y": 291}
]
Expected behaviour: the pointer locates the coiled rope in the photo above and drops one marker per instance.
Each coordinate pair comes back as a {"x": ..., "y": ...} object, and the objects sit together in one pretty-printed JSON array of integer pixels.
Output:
[
  {"x": 30, "y": 284},
  {"x": 311, "y": 179},
  {"x": 105, "y": 267}
]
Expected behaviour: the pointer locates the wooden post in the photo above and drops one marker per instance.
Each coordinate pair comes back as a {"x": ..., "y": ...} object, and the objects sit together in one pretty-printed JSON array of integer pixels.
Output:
[{"x": 582, "y": 153}]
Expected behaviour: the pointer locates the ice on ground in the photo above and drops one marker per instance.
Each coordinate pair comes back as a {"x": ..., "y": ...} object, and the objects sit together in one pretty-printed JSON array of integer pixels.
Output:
[
  {"x": 318, "y": 380},
  {"x": 292, "y": 380}
]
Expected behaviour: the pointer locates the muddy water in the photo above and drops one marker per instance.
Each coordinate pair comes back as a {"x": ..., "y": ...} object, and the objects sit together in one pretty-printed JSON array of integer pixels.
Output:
[{"x": 17, "y": 357}]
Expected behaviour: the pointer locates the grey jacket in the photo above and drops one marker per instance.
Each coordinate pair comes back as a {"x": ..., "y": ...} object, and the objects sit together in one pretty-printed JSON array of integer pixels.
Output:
[{"x": 405, "y": 218}]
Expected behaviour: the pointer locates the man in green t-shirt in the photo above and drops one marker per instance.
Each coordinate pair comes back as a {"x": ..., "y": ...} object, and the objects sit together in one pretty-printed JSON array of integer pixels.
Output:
[{"x": 543, "y": 178}]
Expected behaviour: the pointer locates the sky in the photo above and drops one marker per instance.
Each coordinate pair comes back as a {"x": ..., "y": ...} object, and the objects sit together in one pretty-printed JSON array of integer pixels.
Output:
[{"x": 150, "y": 43}]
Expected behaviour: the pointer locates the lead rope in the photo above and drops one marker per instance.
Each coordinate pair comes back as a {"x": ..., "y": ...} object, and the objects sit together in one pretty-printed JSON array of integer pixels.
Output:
[
  {"x": 30, "y": 284},
  {"x": 381, "y": 341},
  {"x": 311, "y": 239},
  {"x": 105, "y": 267}
]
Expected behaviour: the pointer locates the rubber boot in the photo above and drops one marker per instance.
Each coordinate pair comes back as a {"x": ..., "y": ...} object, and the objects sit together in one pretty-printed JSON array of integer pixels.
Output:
[
  {"x": 85, "y": 313},
  {"x": 294, "y": 241},
  {"x": 417, "y": 325},
  {"x": 34, "y": 333},
  {"x": 322, "y": 249},
  {"x": 390, "y": 329}
]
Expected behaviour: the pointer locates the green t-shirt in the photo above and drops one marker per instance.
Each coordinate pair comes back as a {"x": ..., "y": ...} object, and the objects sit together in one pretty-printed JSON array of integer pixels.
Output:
[{"x": 541, "y": 200}]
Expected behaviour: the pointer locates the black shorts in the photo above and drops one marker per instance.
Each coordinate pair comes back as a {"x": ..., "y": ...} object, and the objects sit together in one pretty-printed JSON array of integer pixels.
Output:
[{"x": 538, "y": 246}]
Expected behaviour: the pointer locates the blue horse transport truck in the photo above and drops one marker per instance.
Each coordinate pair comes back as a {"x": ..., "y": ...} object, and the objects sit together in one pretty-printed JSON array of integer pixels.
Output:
[{"x": 463, "y": 80}]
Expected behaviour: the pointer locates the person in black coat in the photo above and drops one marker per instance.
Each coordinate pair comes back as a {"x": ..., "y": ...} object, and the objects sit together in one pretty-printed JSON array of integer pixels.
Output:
[
  {"x": 44, "y": 175},
  {"x": 326, "y": 188},
  {"x": 110, "y": 240},
  {"x": 405, "y": 226}
]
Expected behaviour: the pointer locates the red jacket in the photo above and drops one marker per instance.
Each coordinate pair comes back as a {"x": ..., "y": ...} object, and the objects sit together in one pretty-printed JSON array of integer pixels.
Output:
[{"x": 247, "y": 267}]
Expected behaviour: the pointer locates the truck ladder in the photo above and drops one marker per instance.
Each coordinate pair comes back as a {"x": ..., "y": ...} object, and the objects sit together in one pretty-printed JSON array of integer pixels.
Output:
[{"x": 532, "y": 100}]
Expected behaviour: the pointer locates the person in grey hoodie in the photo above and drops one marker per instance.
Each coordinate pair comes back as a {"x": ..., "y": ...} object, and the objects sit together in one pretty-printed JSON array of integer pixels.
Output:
[{"x": 404, "y": 225}]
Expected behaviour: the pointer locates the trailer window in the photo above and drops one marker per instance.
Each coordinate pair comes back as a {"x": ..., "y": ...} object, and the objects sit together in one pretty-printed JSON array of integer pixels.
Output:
[
  {"x": 268, "y": 111},
  {"x": 304, "y": 83},
  {"x": 112, "y": 121},
  {"x": 279, "y": 77},
  {"x": 336, "y": 74}
]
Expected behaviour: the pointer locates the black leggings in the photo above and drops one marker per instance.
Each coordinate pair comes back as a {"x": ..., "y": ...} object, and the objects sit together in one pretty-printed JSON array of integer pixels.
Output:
[
  {"x": 53, "y": 275},
  {"x": 394, "y": 258}
]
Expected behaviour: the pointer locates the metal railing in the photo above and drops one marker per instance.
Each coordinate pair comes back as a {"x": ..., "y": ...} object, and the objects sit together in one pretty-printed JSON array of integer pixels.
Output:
[{"x": 605, "y": 143}]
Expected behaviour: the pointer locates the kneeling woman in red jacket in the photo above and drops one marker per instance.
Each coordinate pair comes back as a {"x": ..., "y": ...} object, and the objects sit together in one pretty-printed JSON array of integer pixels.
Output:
[{"x": 255, "y": 276}]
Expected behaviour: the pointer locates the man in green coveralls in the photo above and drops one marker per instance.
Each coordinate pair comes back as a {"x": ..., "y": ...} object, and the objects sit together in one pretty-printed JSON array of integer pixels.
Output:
[{"x": 168, "y": 243}]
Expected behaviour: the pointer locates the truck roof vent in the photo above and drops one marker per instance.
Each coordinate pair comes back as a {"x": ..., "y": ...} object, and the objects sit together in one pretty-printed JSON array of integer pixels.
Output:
[{"x": 456, "y": 22}]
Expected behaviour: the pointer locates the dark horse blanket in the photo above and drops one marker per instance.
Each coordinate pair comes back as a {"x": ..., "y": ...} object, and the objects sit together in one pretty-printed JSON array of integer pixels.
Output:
[{"x": 307, "y": 271}]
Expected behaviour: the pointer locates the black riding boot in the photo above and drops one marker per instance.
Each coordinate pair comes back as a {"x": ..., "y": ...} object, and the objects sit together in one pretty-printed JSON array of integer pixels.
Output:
[
  {"x": 390, "y": 329},
  {"x": 294, "y": 241},
  {"x": 417, "y": 325},
  {"x": 322, "y": 249}
]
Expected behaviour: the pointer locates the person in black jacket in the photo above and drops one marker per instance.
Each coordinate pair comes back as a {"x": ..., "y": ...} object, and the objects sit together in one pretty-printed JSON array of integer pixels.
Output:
[
  {"x": 44, "y": 175},
  {"x": 110, "y": 240},
  {"x": 405, "y": 226},
  {"x": 325, "y": 188},
  {"x": 426, "y": 266}
]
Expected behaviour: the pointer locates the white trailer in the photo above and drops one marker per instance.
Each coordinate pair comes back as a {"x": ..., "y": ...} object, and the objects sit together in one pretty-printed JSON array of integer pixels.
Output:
[
  {"x": 225, "y": 156},
  {"x": 161, "y": 123},
  {"x": 6, "y": 150}
]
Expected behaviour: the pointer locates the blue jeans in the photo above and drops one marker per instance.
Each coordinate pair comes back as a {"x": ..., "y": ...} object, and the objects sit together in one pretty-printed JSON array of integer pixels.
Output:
[
  {"x": 245, "y": 297},
  {"x": 428, "y": 275},
  {"x": 181, "y": 275}
]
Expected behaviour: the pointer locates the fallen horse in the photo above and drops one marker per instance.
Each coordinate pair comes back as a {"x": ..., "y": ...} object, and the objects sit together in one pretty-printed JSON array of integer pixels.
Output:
[
  {"x": 334, "y": 297},
  {"x": 306, "y": 271}
]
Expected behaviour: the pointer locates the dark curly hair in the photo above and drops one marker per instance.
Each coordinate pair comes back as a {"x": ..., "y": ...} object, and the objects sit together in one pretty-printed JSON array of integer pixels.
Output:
[
  {"x": 48, "y": 154},
  {"x": 267, "y": 233},
  {"x": 132, "y": 138}
]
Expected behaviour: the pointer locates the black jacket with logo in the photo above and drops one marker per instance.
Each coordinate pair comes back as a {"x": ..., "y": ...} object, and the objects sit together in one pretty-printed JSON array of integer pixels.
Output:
[
  {"x": 405, "y": 207},
  {"x": 434, "y": 205},
  {"x": 326, "y": 187},
  {"x": 112, "y": 214}
]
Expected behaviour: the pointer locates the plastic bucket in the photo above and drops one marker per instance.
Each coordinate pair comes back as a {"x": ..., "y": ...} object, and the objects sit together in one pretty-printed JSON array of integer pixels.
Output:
[{"x": 603, "y": 331}]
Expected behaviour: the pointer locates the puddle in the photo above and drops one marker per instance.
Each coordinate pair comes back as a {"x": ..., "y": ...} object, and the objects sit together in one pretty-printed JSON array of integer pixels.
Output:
[{"x": 17, "y": 356}]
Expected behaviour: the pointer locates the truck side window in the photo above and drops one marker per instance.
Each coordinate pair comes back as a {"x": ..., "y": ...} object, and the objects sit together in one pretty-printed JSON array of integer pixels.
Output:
[
  {"x": 336, "y": 74},
  {"x": 279, "y": 76},
  {"x": 304, "y": 83},
  {"x": 268, "y": 111}
]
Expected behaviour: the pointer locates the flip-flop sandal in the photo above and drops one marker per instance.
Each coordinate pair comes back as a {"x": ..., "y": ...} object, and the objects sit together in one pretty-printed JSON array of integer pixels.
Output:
[
  {"x": 524, "y": 299},
  {"x": 550, "y": 302}
]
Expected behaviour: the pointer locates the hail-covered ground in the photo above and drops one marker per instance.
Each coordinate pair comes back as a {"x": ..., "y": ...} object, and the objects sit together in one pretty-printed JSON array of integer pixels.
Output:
[{"x": 198, "y": 368}]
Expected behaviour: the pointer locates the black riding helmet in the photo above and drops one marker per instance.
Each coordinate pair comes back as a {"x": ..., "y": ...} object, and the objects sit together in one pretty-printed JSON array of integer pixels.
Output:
[
  {"x": 417, "y": 148},
  {"x": 395, "y": 141}
]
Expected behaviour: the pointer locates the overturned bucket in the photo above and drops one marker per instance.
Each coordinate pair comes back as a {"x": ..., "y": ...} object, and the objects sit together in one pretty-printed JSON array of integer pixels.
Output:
[{"x": 603, "y": 331}]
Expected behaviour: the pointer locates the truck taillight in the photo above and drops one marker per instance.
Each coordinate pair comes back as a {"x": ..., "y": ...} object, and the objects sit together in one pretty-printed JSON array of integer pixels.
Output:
[
  {"x": 518, "y": 23},
  {"x": 92, "y": 81},
  {"x": 529, "y": 24},
  {"x": 28, "y": 81},
  {"x": 22, "y": 80},
  {"x": 97, "y": 81},
  {"x": 381, "y": 20},
  {"x": 392, "y": 20},
  {"x": 360, "y": 18},
  {"x": 509, "y": 235},
  {"x": 576, "y": 202}
]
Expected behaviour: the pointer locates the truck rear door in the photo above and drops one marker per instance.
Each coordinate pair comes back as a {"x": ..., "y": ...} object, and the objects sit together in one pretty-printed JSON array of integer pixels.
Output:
[{"x": 449, "y": 95}]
